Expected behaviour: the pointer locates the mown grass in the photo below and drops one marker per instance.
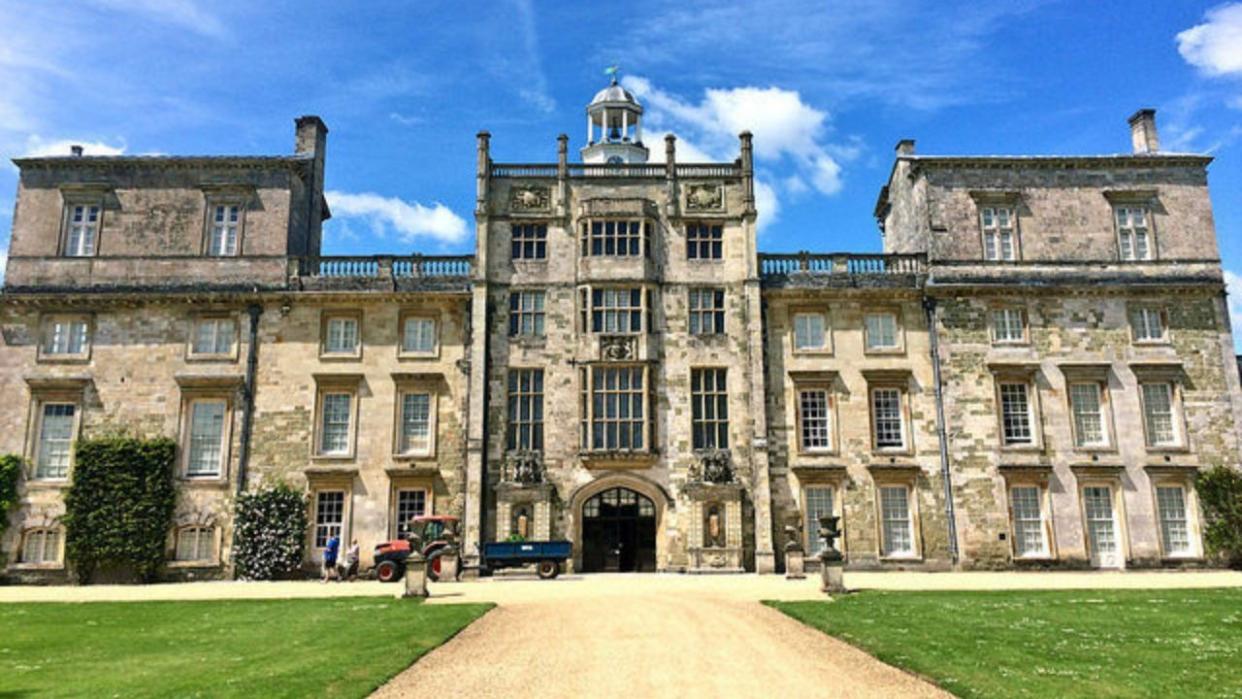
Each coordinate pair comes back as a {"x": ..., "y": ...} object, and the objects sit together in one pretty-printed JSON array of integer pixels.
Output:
[
  {"x": 343, "y": 647},
  {"x": 1094, "y": 643}
]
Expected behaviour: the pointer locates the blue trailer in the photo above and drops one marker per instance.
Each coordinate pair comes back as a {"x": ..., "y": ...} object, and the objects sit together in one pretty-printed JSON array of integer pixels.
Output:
[{"x": 546, "y": 555}]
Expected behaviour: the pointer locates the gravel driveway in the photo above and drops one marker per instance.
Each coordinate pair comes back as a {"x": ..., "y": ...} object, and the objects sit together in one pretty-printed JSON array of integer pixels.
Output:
[{"x": 669, "y": 636}]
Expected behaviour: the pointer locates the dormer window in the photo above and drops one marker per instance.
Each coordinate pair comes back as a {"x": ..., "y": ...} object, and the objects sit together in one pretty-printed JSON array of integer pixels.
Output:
[
  {"x": 999, "y": 238},
  {"x": 224, "y": 230},
  {"x": 81, "y": 229}
]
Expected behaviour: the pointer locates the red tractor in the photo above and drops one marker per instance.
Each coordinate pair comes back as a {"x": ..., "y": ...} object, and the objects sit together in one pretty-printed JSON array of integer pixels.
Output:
[{"x": 426, "y": 532}]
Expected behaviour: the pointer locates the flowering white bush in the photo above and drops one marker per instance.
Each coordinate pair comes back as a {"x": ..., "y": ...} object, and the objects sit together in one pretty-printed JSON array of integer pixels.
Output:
[{"x": 269, "y": 533}]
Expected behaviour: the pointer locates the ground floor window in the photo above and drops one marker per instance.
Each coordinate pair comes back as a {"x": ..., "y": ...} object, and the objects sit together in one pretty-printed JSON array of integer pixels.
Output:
[
  {"x": 1101, "y": 524},
  {"x": 1026, "y": 506},
  {"x": 41, "y": 547},
  {"x": 816, "y": 503},
  {"x": 196, "y": 544},
  {"x": 1174, "y": 528},
  {"x": 329, "y": 515},
  {"x": 896, "y": 523},
  {"x": 410, "y": 504}
]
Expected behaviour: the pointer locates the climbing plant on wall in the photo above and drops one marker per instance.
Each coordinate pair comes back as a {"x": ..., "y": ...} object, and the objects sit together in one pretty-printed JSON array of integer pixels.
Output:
[
  {"x": 10, "y": 471},
  {"x": 119, "y": 509},
  {"x": 1220, "y": 491},
  {"x": 269, "y": 533}
]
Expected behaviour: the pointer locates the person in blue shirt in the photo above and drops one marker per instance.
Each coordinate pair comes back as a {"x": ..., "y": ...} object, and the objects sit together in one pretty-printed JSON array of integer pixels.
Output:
[{"x": 329, "y": 558}]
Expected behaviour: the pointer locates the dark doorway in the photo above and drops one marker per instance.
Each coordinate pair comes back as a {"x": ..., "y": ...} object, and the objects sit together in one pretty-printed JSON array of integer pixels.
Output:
[{"x": 618, "y": 533}]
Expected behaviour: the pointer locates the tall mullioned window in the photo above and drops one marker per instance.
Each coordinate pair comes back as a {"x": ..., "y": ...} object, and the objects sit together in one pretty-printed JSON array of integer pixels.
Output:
[
  {"x": 1174, "y": 528},
  {"x": 704, "y": 241},
  {"x": 1026, "y": 506},
  {"x": 225, "y": 226},
  {"x": 999, "y": 240},
  {"x": 1016, "y": 426},
  {"x": 1087, "y": 406},
  {"x": 814, "y": 420},
  {"x": 709, "y": 408},
  {"x": 618, "y": 311},
  {"x": 613, "y": 406},
  {"x": 526, "y": 313},
  {"x": 206, "y": 448},
  {"x": 613, "y": 238},
  {"x": 529, "y": 241},
  {"x": 81, "y": 230},
  {"x": 707, "y": 314},
  {"x": 55, "y": 445},
  {"x": 525, "y": 410},
  {"x": 1133, "y": 232}
]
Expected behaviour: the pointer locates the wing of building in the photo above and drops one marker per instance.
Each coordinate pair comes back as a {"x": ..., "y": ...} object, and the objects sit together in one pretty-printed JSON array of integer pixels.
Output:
[{"x": 1030, "y": 374}]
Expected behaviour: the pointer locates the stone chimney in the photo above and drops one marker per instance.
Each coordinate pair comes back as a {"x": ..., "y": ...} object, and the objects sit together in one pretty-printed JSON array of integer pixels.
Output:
[
  {"x": 905, "y": 146},
  {"x": 75, "y": 150},
  {"x": 311, "y": 138},
  {"x": 1143, "y": 134}
]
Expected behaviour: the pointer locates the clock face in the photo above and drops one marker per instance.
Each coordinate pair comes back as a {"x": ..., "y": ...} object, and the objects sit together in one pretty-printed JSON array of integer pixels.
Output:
[{"x": 615, "y": 160}]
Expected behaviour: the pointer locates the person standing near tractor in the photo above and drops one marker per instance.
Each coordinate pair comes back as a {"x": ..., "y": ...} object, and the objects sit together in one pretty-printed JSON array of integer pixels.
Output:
[
  {"x": 329, "y": 558},
  {"x": 352, "y": 556}
]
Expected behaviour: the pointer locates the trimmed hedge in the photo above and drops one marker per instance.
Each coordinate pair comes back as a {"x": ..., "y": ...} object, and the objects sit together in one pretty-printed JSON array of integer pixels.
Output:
[
  {"x": 269, "y": 533},
  {"x": 10, "y": 472},
  {"x": 119, "y": 509},
  {"x": 1220, "y": 492}
]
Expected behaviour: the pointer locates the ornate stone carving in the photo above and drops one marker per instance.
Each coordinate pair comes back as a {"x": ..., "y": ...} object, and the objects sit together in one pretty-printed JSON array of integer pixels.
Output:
[
  {"x": 704, "y": 197},
  {"x": 715, "y": 466},
  {"x": 524, "y": 467},
  {"x": 617, "y": 348},
  {"x": 829, "y": 532},
  {"x": 530, "y": 198}
]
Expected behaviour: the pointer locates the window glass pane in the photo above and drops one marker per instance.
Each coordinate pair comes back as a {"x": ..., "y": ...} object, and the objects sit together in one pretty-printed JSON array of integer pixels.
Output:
[
  {"x": 1088, "y": 418},
  {"x": 1101, "y": 530},
  {"x": 815, "y": 426},
  {"x": 1028, "y": 522},
  {"x": 342, "y": 335},
  {"x": 1016, "y": 414},
  {"x": 887, "y": 418},
  {"x": 1158, "y": 413},
  {"x": 881, "y": 330},
  {"x": 55, "y": 440},
  {"x": 818, "y": 503},
  {"x": 410, "y": 504},
  {"x": 418, "y": 335},
  {"x": 415, "y": 422},
  {"x": 329, "y": 515},
  {"x": 206, "y": 438},
  {"x": 335, "y": 432},
  {"x": 709, "y": 409},
  {"x": 1171, "y": 502},
  {"x": 895, "y": 510},
  {"x": 808, "y": 331}
]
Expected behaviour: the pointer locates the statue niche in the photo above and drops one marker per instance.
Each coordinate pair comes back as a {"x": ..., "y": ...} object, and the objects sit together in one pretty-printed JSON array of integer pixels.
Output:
[{"x": 714, "y": 526}]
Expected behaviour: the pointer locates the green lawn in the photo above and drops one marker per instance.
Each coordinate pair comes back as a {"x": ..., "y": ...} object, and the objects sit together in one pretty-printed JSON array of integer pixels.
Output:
[
  {"x": 1095, "y": 643},
  {"x": 344, "y": 647}
]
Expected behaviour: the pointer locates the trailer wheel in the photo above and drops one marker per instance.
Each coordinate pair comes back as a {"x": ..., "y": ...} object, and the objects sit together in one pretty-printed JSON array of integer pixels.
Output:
[
  {"x": 388, "y": 571},
  {"x": 548, "y": 570},
  {"x": 433, "y": 566}
]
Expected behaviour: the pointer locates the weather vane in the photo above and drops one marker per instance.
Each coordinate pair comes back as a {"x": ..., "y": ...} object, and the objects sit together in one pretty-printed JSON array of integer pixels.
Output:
[{"x": 611, "y": 71}]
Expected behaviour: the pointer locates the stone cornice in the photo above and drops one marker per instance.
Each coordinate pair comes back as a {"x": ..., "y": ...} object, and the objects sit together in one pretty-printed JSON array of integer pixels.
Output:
[
  {"x": 297, "y": 163},
  {"x": 1057, "y": 161}
]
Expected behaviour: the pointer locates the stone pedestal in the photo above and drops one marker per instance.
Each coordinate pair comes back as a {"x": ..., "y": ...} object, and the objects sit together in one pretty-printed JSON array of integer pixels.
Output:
[
  {"x": 450, "y": 564},
  {"x": 715, "y": 528},
  {"x": 832, "y": 577},
  {"x": 795, "y": 564},
  {"x": 415, "y": 576}
]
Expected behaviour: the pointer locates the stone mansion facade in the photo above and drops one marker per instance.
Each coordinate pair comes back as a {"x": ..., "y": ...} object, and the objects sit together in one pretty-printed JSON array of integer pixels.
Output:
[{"x": 1031, "y": 374}]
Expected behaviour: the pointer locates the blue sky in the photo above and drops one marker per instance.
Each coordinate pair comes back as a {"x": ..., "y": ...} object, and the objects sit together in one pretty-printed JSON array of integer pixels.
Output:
[{"x": 828, "y": 88}]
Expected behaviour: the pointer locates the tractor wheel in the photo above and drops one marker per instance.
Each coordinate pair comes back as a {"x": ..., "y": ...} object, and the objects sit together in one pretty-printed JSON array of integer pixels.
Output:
[
  {"x": 433, "y": 567},
  {"x": 548, "y": 570},
  {"x": 388, "y": 571}
]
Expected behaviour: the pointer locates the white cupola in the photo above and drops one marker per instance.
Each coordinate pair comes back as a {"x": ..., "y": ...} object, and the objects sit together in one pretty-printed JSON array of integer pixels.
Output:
[{"x": 614, "y": 127}]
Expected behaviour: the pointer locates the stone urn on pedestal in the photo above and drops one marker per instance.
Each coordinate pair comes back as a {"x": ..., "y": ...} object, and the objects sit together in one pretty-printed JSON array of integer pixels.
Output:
[
  {"x": 832, "y": 564},
  {"x": 795, "y": 557}
]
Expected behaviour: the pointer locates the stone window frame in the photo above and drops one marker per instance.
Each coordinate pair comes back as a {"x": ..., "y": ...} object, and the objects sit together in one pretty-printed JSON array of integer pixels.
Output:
[
  {"x": 397, "y": 486},
  {"x": 513, "y": 425},
  {"x": 216, "y": 195},
  {"x": 1038, "y": 478},
  {"x": 1145, "y": 199},
  {"x": 326, "y": 384},
  {"x": 537, "y": 312},
  {"x": 325, "y": 317},
  {"x": 899, "y": 331},
  {"x": 189, "y": 398},
  {"x": 907, "y": 478},
  {"x": 58, "y": 563},
  {"x": 1160, "y": 311},
  {"x": 587, "y": 236},
  {"x": 199, "y": 317},
  {"x": 826, "y": 350},
  {"x": 519, "y": 244},
  {"x": 712, "y": 242},
  {"x": 1184, "y": 478},
  {"x": 415, "y": 385},
  {"x": 1090, "y": 476},
  {"x": 716, "y": 426},
  {"x": 586, "y": 310},
  {"x": 816, "y": 381},
  {"x": 81, "y": 195},
  {"x": 586, "y": 374},
  {"x": 995, "y": 308},
  {"x": 1173, "y": 376},
  {"x": 890, "y": 379},
  {"x": 1098, "y": 374},
  {"x": 212, "y": 561},
  {"x": 323, "y": 482},
  {"x": 1019, "y": 373},
  {"x": 998, "y": 199},
  {"x": 45, "y": 392},
  {"x": 48, "y": 320},
  {"x": 836, "y": 479},
  {"x": 407, "y": 314},
  {"x": 717, "y": 313}
]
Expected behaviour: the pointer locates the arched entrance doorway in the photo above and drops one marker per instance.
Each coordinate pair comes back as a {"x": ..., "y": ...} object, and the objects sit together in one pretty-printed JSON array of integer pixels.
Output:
[{"x": 618, "y": 532}]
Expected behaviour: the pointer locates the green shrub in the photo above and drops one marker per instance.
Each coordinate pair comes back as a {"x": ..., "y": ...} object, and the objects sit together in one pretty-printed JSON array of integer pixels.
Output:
[
  {"x": 10, "y": 472},
  {"x": 1220, "y": 492},
  {"x": 269, "y": 533},
  {"x": 119, "y": 509}
]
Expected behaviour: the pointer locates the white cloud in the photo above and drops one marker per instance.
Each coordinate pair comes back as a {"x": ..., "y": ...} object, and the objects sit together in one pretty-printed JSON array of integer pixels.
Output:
[
  {"x": 37, "y": 146},
  {"x": 767, "y": 204},
  {"x": 1215, "y": 47},
  {"x": 183, "y": 13},
  {"x": 410, "y": 220},
  {"x": 1233, "y": 284}
]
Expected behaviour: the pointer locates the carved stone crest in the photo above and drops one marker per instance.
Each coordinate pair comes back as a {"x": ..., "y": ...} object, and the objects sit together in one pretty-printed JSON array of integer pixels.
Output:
[
  {"x": 529, "y": 198},
  {"x": 704, "y": 197},
  {"x": 525, "y": 467},
  {"x": 714, "y": 466},
  {"x": 617, "y": 348}
]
